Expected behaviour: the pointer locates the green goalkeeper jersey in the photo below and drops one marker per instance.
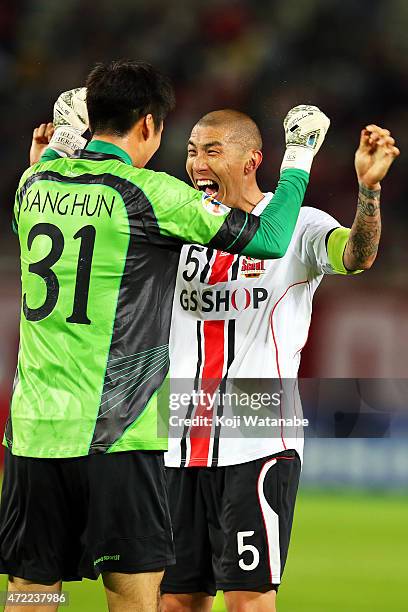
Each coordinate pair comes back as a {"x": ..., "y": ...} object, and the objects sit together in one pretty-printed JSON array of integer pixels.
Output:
[{"x": 100, "y": 243}]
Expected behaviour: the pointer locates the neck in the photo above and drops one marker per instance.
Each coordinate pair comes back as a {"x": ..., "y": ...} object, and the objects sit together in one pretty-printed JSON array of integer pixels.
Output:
[
  {"x": 126, "y": 143},
  {"x": 251, "y": 197}
]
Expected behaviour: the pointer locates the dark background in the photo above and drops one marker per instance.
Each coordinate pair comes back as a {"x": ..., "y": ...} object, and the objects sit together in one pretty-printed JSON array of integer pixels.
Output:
[{"x": 349, "y": 58}]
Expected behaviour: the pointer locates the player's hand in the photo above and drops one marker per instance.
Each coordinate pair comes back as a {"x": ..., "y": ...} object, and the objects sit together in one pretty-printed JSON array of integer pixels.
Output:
[
  {"x": 41, "y": 138},
  {"x": 306, "y": 126},
  {"x": 374, "y": 156},
  {"x": 70, "y": 110},
  {"x": 305, "y": 130},
  {"x": 70, "y": 121}
]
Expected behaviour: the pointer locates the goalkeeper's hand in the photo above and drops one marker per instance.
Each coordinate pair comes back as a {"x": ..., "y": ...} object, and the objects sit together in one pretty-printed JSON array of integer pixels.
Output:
[
  {"x": 41, "y": 139},
  {"x": 70, "y": 121},
  {"x": 305, "y": 130}
]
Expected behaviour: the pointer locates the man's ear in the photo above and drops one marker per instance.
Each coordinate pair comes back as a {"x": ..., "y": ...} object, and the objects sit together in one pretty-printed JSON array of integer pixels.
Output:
[
  {"x": 253, "y": 162},
  {"x": 148, "y": 126},
  {"x": 145, "y": 123}
]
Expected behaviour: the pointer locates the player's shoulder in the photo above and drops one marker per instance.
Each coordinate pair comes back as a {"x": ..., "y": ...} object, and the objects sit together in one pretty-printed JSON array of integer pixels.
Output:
[
  {"x": 146, "y": 175},
  {"x": 312, "y": 223},
  {"x": 30, "y": 171},
  {"x": 309, "y": 215},
  {"x": 153, "y": 181}
]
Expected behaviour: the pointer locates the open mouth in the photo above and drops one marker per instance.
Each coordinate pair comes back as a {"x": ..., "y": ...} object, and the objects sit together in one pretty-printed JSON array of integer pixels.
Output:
[{"x": 209, "y": 186}]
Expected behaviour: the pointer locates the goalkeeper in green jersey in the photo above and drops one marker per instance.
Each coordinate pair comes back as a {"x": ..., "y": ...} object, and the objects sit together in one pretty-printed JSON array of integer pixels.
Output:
[{"x": 100, "y": 238}]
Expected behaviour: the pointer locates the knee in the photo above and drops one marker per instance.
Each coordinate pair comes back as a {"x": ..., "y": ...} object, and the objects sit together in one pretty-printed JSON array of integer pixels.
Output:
[
  {"x": 172, "y": 603},
  {"x": 194, "y": 602},
  {"x": 248, "y": 606},
  {"x": 247, "y": 601}
]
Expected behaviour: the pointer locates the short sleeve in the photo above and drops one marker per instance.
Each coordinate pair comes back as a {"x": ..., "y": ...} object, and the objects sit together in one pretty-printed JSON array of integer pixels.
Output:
[{"x": 317, "y": 230}]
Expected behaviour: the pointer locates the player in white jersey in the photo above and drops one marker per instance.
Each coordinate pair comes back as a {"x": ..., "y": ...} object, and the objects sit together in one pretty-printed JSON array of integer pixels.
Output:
[{"x": 232, "y": 492}]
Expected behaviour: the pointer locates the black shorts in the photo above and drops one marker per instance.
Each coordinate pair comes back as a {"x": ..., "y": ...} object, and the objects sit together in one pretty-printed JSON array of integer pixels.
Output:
[
  {"x": 68, "y": 519},
  {"x": 231, "y": 524}
]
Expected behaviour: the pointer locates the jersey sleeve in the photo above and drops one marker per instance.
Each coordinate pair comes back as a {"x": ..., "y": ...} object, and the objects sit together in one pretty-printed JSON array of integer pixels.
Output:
[
  {"x": 278, "y": 220},
  {"x": 14, "y": 222},
  {"x": 50, "y": 154},
  {"x": 18, "y": 199},
  {"x": 320, "y": 242},
  {"x": 194, "y": 217}
]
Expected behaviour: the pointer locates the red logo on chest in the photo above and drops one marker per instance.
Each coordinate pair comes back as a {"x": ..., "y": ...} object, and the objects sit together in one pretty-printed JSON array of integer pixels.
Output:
[{"x": 252, "y": 268}]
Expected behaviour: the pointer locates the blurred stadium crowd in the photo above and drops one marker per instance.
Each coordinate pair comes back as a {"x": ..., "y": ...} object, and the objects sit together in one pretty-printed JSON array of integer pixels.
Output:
[{"x": 349, "y": 58}]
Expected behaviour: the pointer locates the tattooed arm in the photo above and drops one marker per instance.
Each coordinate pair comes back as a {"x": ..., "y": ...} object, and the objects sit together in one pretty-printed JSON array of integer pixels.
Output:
[
  {"x": 361, "y": 248},
  {"x": 373, "y": 160}
]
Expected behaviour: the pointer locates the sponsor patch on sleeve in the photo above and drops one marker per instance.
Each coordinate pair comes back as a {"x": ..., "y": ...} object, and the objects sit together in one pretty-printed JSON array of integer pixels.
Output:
[{"x": 213, "y": 206}]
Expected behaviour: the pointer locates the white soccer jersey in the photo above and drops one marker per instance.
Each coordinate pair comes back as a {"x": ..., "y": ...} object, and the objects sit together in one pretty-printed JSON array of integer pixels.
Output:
[{"x": 236, "y": 319}]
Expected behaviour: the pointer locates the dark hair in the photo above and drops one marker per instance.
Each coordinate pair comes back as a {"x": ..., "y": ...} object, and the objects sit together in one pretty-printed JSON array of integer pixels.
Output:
[{"x": 121, "y": 92}]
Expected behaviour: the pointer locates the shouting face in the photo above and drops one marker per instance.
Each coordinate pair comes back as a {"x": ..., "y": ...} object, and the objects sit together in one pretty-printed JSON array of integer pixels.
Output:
[{"x": 219, "y": 158}]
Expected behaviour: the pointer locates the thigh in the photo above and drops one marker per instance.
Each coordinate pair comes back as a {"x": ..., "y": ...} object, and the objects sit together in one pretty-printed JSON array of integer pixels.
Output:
[
  {"x": 192, "y": 572},
  {"x": 128, "y": 528},
  {"x": 31, "y": 595},
  {"x": 139, "y": 592},
  {"x": 255, "y": 520}
]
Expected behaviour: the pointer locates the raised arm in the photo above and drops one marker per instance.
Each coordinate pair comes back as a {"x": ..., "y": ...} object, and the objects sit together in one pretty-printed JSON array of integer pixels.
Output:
[
  {"x": 222, "y": 224},
  {"x": 179, "y": 209},
  {"x": 41, "y": 138},
  {"x": 64, "y": 135},
  {"x": 373, "y": 159},
  {"x": 305, "y": 129}
]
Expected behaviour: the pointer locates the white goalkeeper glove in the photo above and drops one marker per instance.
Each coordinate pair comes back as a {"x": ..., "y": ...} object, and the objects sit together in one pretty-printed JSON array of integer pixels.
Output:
[
  {"x": 70, "y": 121},
  {"x": 305, "y": 130}
]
